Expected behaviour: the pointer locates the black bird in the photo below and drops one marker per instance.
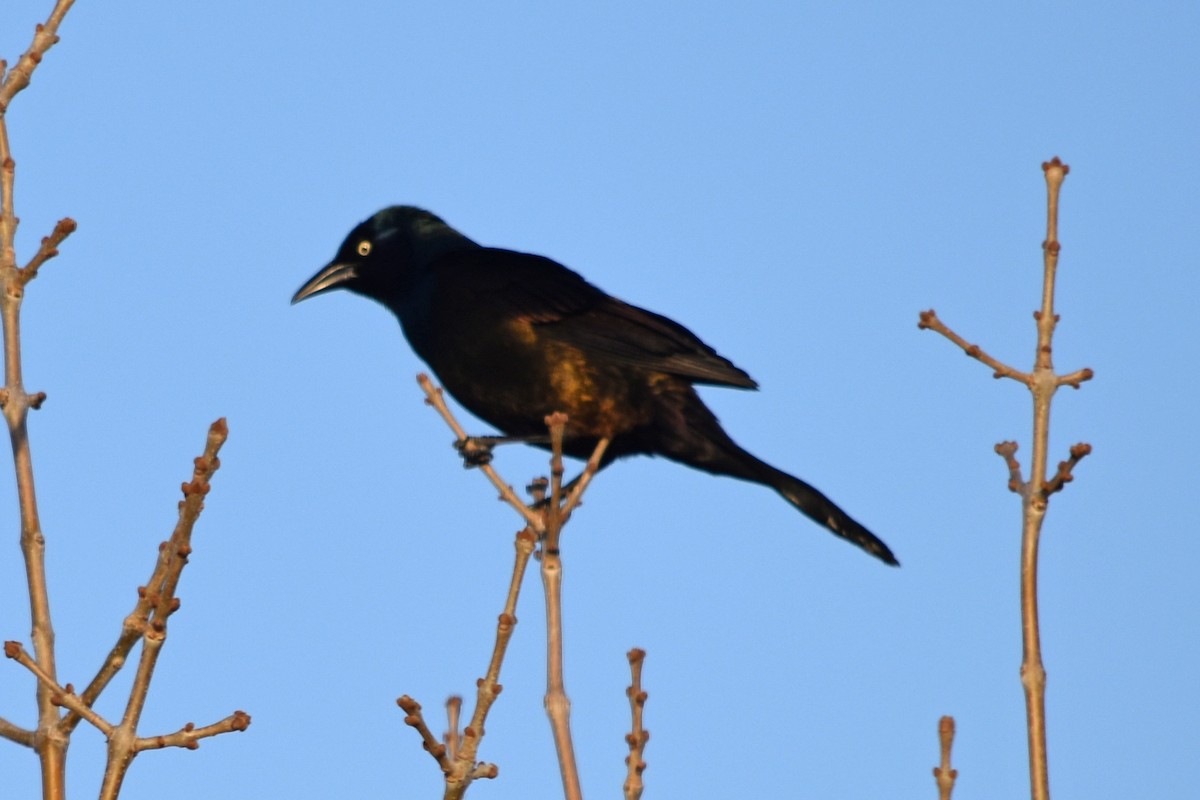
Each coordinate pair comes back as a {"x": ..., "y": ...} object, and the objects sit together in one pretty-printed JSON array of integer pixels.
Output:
[{"x": 514, "y": 337}]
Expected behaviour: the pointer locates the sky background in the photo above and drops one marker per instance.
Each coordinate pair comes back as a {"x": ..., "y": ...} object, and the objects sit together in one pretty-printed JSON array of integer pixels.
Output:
[{"x": 794, "y": 182}]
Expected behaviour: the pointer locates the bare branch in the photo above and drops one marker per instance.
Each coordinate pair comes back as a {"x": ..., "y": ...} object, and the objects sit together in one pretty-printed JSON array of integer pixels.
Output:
[
  {"x": 59, "y": 695},
  {"x": 434, "y": 398},
  {"x": 557, "y": 704},
  {"x": 944, "y": 774},
  {"x": 544, "y": 520},
  {"x": 189, "y": 735},
  {"x": 1008, "y": 451},
  {"x": 15, "y": 733},
  {"x": 484, "y": 770},
  {"x": 1064, "y": 476},
  {"x": 1075, "y": 379},
  {"x": 45, "y": 36},
  {"x": 16, "y": 406},
  {"x": 159, "y": 596},
  {"x": 575, "y": 498},
  {"x": 638, "y": 736},
  {"x": 137, "y": 624},
  {"x": 49, "y": 743},
  {"x": 929, "y": 321},
  {"x": 488, "y": 687},
  {"x": 415, "y": 719},
  {"x": 1035, "y": 492},
  {"x": 156, "y": 603},
  {"x": 461, "y": 768},
  {"x": 48, "y": 249},
  {"x": 453, "y": 735}
]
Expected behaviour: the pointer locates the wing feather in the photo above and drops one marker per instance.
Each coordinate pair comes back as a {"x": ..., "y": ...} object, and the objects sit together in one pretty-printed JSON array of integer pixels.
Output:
[{"x": 565, "y": 307}]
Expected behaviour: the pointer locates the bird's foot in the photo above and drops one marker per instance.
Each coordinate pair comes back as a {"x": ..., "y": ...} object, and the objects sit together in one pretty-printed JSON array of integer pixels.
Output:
[{"x": 476, "y": 450}]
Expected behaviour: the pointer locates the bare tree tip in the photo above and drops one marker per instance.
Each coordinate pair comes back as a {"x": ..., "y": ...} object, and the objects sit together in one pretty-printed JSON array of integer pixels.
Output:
[
  {"x": 1055, "y": 166},
  {"x": 945, "y": 774}
]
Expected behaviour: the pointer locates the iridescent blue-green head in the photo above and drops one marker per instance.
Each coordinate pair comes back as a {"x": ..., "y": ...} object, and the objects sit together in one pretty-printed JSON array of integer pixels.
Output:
[{"x": 384, "y": 255}]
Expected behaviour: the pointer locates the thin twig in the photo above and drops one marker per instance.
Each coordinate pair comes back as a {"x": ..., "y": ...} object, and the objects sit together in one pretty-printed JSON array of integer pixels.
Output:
[
  {"x": 132, "y": 630},
  {"x": 48, "y": 249},
  {"x": 453, "y": 736},
  {"x": 416, "y": 720},
  {"x": 945, "y": 775},
  {"x": 1036, "y": 490},
  {"x": 435, "y": 399},
  {"x": 1064, "y": 476},
  {"x": 45, "y": 36},
  {"x": 1075, "y": 379},
  {"x": 59, "y": 695},
  {"x": 123, "y": 742},
  {"x": 929, "y": 321},
  {"x": 189, "y": 735},
  {"x": 488, "y": 687},
  {"x": 1008, "y": 451},
  {"x": 585, "y": 478},
  {"x": 638, "y": 735},
  {"x": 460, "y": 768},
  {"x": 17, "y": 734},
  {"x": 558, "y": 705},
  {"x": 1033, "y": 672},
  {"x": 49, "y": 742},
  {"x": 149, "y": 597},
  {"x": 545, "y": 521}
]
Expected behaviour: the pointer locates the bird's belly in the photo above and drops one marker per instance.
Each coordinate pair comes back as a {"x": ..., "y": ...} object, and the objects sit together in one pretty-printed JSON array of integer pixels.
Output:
[{"x": 514, "y": 381}]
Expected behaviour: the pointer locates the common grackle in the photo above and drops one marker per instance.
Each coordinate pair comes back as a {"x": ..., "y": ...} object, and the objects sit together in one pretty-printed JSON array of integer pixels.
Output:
[{"x": 514, "y": 337}]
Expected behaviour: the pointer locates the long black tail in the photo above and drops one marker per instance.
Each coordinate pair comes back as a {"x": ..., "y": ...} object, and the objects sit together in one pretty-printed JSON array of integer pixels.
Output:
[
  {"x": 823, "y": 511},
  {"x": 693, "y": 436}
]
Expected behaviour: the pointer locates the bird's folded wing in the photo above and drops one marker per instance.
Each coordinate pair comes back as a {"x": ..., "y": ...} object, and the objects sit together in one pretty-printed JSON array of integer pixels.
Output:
[{"x": 565, "y": 307}]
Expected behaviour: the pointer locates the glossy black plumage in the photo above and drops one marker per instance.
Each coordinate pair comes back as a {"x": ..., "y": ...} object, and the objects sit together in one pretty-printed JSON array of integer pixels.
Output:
[{"x": 514, "y": 337}]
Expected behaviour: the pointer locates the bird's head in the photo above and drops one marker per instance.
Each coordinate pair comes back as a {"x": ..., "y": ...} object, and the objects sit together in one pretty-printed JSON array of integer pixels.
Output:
[{"x": 383, "y": 256}]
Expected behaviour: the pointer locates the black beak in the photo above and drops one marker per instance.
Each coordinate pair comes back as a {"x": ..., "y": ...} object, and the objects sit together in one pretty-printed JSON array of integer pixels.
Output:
[{"x": 332, "y": 276}]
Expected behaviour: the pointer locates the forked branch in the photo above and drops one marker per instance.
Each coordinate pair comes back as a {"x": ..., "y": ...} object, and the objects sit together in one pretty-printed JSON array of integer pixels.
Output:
[
  {"x": 544, "y": 519},
  {"x": 1035, "y": 491},
  {"x": 47, "y": 740}
]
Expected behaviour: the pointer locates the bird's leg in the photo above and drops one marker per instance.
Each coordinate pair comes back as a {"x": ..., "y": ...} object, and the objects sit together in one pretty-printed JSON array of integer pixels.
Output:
[{"x": 477, "y": 450}]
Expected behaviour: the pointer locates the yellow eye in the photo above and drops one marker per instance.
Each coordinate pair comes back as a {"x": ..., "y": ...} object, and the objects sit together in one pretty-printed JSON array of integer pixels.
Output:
[{"x": 364, "y": 247}]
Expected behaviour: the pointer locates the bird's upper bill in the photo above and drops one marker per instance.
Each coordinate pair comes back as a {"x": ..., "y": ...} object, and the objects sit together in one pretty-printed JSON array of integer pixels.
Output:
[{"x": 331, "y": 276}]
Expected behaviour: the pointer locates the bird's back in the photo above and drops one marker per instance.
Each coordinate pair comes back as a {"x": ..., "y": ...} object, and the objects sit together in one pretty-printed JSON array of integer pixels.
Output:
[{"x": 540, "y": 338}]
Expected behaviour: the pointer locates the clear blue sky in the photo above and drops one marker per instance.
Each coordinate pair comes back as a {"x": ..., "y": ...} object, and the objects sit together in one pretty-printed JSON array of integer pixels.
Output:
[{"x": 794, "y": 182}]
